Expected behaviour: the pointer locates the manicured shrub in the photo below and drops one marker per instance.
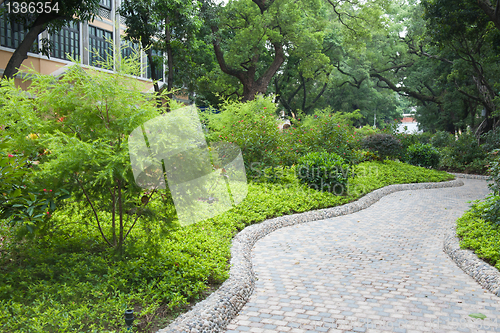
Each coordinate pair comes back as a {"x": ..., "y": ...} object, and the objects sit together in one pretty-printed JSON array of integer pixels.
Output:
[
  {"x": 324, "y": 172},
  {"x": 424, "y": 155},
  {"x": 384, "y": 145}
]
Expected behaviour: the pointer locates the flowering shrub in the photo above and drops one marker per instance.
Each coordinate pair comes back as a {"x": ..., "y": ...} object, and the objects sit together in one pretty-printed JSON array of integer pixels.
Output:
[
  {"x": 324, "y": 172},
  {"x": 20, "y": 203}
]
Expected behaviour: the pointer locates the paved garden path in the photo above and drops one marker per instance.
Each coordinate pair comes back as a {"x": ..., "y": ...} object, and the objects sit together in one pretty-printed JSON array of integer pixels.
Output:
[{"x": 381, "y": 269}]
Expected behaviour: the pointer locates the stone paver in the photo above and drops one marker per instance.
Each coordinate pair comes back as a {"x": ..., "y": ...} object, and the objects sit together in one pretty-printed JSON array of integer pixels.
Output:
[{"x": 381, "y": 269}]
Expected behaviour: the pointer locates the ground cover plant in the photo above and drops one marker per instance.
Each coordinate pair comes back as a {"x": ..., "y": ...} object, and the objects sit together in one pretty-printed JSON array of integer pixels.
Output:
[
  {"x": 69, "y": 281},
  {"x": 478, "y": 233},
  {"x": 479, "y": 227}
]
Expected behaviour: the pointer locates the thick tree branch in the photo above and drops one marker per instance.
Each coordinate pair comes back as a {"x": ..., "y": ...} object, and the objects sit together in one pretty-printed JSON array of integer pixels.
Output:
[
  {"x": 404, "y": 90},
  {"x": 279, "y": 58},
  {"x": 220, "y": 58},
  {"x": 491, "y": 12}
]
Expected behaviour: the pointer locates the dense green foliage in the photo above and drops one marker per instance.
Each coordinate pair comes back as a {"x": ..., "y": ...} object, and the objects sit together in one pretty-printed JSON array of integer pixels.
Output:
[
  {"x": 384, "y": 145},
  {"x": 422, "y": 155},
  {"x": 334, "y": 68},
  {"x": 80, "y": 147},
  {"x": 479, "y": 234},
  {"x": 253, "y": 127},
  {"x": 68, "y": 281},
  {"x": 464, "y": 154},
  {"x": 324, "y": 172}
]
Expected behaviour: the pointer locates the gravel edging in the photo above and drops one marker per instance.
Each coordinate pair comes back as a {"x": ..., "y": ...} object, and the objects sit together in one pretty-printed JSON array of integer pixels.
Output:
[
  {"x": 215, "y": 312},
  {"x": 485, "y": 274},
  {"x": 469, "y": 176}
]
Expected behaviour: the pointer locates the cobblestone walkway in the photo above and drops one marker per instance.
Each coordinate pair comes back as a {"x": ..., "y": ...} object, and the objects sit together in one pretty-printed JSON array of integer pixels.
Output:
[{"x": 382, "y": 269}]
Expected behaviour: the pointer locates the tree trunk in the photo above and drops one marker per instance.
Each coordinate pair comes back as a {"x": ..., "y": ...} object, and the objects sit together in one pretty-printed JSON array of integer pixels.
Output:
[
  {"x": 120, "y": 214},
  {"x": 251, "y": 86},
  {"x": 152, "y": 66},
  {"x": 21, "y": 53},
  {"x": 170, "y": 58},
  {"x": 492, "y": 12}
]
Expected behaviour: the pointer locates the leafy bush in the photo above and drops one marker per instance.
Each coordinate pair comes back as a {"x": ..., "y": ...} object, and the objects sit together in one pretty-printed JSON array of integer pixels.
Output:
[
  {"x": 20, "y": 203},
  {"x": 84, "y": 142},
  {"x": 328, "y": 131},
  {"x": 424, "y": 155},
  {"x": 324, "y": 172},
  {"x": 494, "y": 171},
  {"x": 491, "y": 140},
  {"x": 384, "y": 145},
  {"x": 492, "y": 212},
  {"x": 252, "y": 126},
  {"x": 442, "y": 139},
  {"x": 464, "y": 155}
]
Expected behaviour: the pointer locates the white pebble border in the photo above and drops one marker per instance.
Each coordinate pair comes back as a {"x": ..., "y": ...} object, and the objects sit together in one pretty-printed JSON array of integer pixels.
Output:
[
  {"x": 215, "y": 312},
  {"x": 485, "y": 274}
]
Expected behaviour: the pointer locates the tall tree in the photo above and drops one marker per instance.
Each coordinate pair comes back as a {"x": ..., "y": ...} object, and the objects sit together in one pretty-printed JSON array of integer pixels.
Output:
[
  {"x": 251, "y": 39},
  {"x": 142, "y": 24},
  {"x": 166, "y": 25},
  {"x": 465, "y": 31},
  {"x": 54, "y": 16}
]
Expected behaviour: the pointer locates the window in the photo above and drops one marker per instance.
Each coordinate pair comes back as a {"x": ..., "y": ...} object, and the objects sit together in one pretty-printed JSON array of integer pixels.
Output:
[
  {"x": 12, "y": 34},
  {"x": 128, "y": 48},
  {"x": 105, "y": 3},
  {"x": 158, "y": 58},
  {"x": 66, "y": 41},
  {"x": 99, "y": 46}
]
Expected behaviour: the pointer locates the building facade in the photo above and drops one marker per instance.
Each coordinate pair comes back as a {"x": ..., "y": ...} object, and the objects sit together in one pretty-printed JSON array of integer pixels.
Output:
[{"x": 76, "y": 40}]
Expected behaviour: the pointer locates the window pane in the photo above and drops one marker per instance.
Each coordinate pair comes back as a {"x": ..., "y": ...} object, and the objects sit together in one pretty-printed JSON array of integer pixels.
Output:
[
  {"x": 66, "y": 41},
  {"x": 97, "y": 42},
  {"x": 12, "y": 34},
  {"x": 105, "y": 4}
]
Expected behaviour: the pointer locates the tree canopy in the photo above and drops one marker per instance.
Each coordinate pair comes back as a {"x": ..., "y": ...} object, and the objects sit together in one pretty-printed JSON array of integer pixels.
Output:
[{"x": 382, "y": 57}]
